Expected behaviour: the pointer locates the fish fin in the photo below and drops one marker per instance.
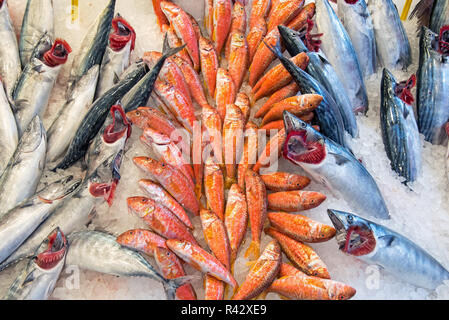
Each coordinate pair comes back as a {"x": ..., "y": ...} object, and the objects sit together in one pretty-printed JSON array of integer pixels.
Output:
[
  {"x": 276, "y": 49},
  {"x": 116, "y": 78},
  {"x": 386, "y": 241},
  {"x": 422, "y": 12},
  {"x": 253, "y": 250},
  {"x": 283, "y": 297},
  {"x": 29, "y": 278},
  {"x": 21, "y": 104},
  {"x": 339, "y": 159},
  {"x": 171, "y": 285},
  {"x": 167, "y": 51}
]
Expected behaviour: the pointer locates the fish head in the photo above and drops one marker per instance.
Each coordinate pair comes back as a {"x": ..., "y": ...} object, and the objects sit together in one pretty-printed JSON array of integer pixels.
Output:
[
  {"x": 122, "y": 34},
  {"x": 341, "y": 291},
  {"x": 60, "y": 189},
  {"x": 140, "y": 206},
  {"x": 130, "y": 238},
  {"x": 58, "y": 53},
  {"x": 292, "y": 37},
  {"x": 119, "y": 129},
  {"x": 170, "y": 9},
  {"x": 304, "y": 145},
  {"x": 139, "y": 116},
  {"x": 355, "y": 235},
  {"x": 401, "y": 90},
  {"x": 149, "y": 165},
  {"x": 52, "y": 251},
  {"x": 238, "y": 40}
]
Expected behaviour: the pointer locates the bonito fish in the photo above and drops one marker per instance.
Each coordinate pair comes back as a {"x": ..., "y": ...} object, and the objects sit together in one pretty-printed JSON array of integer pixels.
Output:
[{"x": 9, "y": 136}]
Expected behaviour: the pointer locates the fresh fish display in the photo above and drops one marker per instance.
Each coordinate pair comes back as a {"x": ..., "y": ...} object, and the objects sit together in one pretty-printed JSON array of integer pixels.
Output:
[
  {"x": 38, "y": 279},
  {"x": 222, "y": 20},
  {"x": 214, "y": 187},
  {"x": 9, "y": 136},
  {"x": 333, "y": 166},
  {"x": 249, "y": 154},
  {"x": 21, "y": 177},
  {"x": 209, "y": 64},
  {"x": 393, "y": 46},
  {"x": 433, "y": 84},
  {"x": 37, "y": 21},
  {"x": 379, "y": 245},
  {"x": 283, "y": 11},
  {"x": 399, "y": 129},
  {"x": 225, "y": 91},
  {"x": 356, "y": 19},
  {"x": 10, "y": 64},
  {"x": 19, "y": 223}
]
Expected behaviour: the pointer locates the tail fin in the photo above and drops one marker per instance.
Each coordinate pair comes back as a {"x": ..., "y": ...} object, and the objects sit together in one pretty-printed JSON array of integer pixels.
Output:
[
  {"x": 170, "y": 286},
  {"x": 167, "y": 51},
  {"x": 253, "y": 251}
]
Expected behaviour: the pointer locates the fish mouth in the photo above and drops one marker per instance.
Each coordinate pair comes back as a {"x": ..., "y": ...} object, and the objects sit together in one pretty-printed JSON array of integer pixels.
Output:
[
  {"x": 55, "y": 252},
  {"x": 119, "y": 126},
  {"x": 58, "y": 53},
  {"x": 1, "y": 3},
  {"x": 340, "y": 227},
  {"x": 351, "y": 1},
  {"x": 122, "y": 34}
]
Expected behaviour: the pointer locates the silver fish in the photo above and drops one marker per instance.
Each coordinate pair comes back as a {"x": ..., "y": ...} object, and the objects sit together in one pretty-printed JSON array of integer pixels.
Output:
[
  {"x": 38, "y": 280},
  {"x": 337, "y": 46},
  {"x": 37, "y": 20},
  {"x": 433, "y": 86},
  {"x": 117, "y": 55},
  {"x": 356, "y": 19},
  {"x": 393, "y": 46},
  {"x": 64, "y": 127},
  {"x": 19, "y": 223},
  {"x": 9, "y": 136},
  {"x": 21, "y": 177},
  {"x": 100, "y": 252},
  {"x": 333, "y": 166},
  {"x": 10, "y": 65},
  {"x": 376, "y": 244},
  {"x": 399, "y": 129}
]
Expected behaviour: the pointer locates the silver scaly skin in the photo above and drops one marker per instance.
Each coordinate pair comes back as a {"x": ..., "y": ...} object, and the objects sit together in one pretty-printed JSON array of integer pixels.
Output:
[
  {"x": 37, "y": 20},
  {"x": 393, "y": 46},
  {"x": 21, "y": 177},
  {"x": 38, "y": 280},
  {"x": 357, "y": 21},
  {"x": 100, "y": 252},
  {"x": 9, "y": 136},
  {"x": 19, "y": 223},
  {"x": 339, "y": 51},
  {"x": 333, "y": 166},
  {"x": 64, "y": 127},
  {"x": 10, "y": 65},
  {"x": 376, "y": 244},
  {"x": 75, "y": 213}
]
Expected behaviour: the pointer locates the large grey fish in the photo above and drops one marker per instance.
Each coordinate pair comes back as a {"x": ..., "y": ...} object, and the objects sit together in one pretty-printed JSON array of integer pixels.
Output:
[
  {"x": 117, "y": 55},
  {"x": 328, "y": 114},
  {"x": 77, "y": 211},
  {"x": 63, "y": 129},
  {"x": 376, "y": 244},
  {"x": 37, "y": 20},
  {"x": 19, "y": 223},
  {"x": 399, "y": 129},
  {"x": 320, "y": 69},
  {"x": 432, "y": 14},
  {"x": 393, "y": 46},
  {"x": 337, "y": 46},
  {"x": 356, "y": 19},
  {"x": 92, "y": 47},
  {"x": 100, "y": 252},
  {"x": 21, "y": 177},
  {"x": 433, "y": 86},
  {"x": 33, "y": 89},
  {"x": 10, "y": 65},
  {"x": 38, "y": 280},
  {"x": 9, "y": 136},
  {"x": 333, "y": 166}
]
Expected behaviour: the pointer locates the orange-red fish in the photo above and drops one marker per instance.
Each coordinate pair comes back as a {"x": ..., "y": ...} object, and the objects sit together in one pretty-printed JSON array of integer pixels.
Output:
[
  {"x": 201, "y": 260},
  {"x": 209, "y": 16},
  {"x": 160, "y": 16},
  {"x": 284, "y": 12},
  {"x": 255, "y": 36},
  {"x": 225, "y": 91},
  {"x": 256, "y": 197},
  {"x": 300, "y": 254},
  {"x": 209, "y": 64},
  {"x": 238, "y": 23},
  {"x": 278, "y": 77},
  {"x": 212, "y": 124},
  {"x": 272, "y": 151},
  {"x": 172, "y": 180},
  {"x": 174, "y": 42},
  {"x": 222, "y": 23},
  {"x": 216, "y": 237},
  {"x": 158, "y": 194},
  {"x": 263, "y": 57},
  {"x": 301, "y": 228},
  {"x": 159, "y": 219},
  {"x": 236, "y": 218},
  {"x": 141, "y": 240},
  {"x": 198, "y": 146},
  {"x": 196, "y": 26},
  {"x": 262, "y": 274},
  {"x": 300, "y": 21},
  {"x": 259, "y": 10},
  {"x": 293, "y": 201},
  {"x": 289, "y": 270},
  {"x": 249, "y": 156},
  {"x": 286, "y": 92},
  {"x": 242, "y": 101},
  {"x": 214, "y": 187},
  {"x": 233, "y": 140},
  {"x": 214, "y": 289},
  {"x": 238, "y": 58},
  {"x": 297, "y": 105},
  {"x": 182, "y": 24},
  {"x": 284, "y": 181}
]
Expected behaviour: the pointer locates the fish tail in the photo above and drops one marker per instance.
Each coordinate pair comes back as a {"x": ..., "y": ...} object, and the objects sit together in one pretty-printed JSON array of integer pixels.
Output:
[
  {"x": 170, "y": 286},
  {"x": 253, "y": 250},
  {"x": 167, "y": 51}
]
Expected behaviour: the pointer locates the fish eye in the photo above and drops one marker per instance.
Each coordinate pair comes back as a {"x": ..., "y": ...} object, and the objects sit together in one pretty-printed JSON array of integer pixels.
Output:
[{"x": 350, "y": 219}]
